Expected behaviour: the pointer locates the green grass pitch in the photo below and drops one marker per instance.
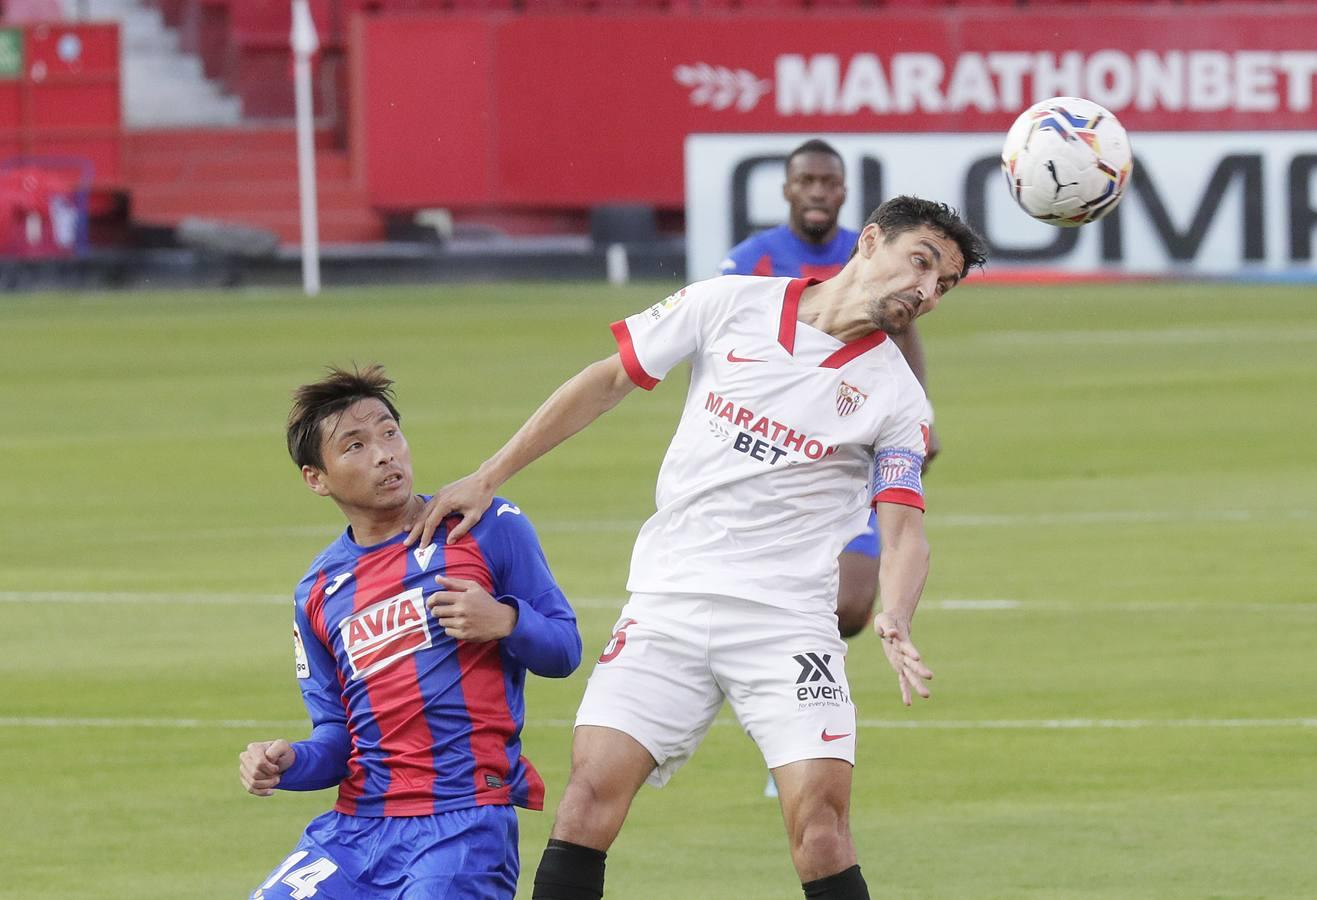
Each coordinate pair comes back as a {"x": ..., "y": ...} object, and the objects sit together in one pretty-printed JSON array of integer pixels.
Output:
[{"x": 1121, "y": 612}]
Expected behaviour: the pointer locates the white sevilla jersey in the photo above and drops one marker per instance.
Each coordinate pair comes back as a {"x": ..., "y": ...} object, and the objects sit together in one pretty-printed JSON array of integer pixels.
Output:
[{"x": 786, "y": 437}]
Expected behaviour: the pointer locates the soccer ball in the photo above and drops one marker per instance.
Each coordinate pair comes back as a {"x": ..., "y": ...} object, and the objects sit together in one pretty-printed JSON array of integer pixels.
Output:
[{"x": 1067, "y": 161}]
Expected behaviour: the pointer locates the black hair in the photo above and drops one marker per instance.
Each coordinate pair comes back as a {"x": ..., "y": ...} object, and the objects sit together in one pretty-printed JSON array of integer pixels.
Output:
[
  {"x": 330, "y": 396},
  {"x": 815, "y": 145},
  {"x": 901, "y": 214}
]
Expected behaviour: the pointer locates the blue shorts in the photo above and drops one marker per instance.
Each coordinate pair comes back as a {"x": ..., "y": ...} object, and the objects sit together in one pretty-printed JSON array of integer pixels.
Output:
[
  {"x": 467, "y": 854},
  {"x": 868, "y": 541}
]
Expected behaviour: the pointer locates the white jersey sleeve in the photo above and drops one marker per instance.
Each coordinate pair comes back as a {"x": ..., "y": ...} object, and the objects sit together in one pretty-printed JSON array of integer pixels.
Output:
[
  {"x": 652, "y": 342},
  {"x": 900, "y": 451}
]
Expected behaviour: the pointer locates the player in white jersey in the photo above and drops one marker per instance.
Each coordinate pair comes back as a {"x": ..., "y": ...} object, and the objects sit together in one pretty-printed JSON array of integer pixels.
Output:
[{"x": 800, "y": 414}]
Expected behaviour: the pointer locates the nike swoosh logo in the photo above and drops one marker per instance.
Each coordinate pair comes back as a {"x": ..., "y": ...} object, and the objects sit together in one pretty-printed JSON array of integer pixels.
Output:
[
  {"x": 507, "y": 507},
  {"x": 733, "y": 358},
  {"x": 834, "y": 737}
]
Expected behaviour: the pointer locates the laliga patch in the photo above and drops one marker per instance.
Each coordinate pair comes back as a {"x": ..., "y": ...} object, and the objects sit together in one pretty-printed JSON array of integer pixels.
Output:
[
  {"x": 896, "y": 467},
  {"x": 849, "y": 399},
  {"x": 299, "y": 655},
  {"x": 385, "y": 632},
  {"x": 664, "y": 306}
]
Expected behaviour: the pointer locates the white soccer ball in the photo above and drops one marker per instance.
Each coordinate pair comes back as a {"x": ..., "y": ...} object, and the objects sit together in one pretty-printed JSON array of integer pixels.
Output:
[{"x": 1067, "y": 161}]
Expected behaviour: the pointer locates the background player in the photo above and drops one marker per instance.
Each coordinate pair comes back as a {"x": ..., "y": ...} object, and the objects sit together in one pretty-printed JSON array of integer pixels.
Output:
[
  {"x": 813, "y": 244},
  {"x": 795, "y": 397},
  {"x": 418, "y": 722}
]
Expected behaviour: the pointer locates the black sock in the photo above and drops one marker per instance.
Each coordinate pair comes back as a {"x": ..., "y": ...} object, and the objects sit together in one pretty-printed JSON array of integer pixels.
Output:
[
  {"x": 570, "y": 872},
  {"x": 848, "y": 884}
]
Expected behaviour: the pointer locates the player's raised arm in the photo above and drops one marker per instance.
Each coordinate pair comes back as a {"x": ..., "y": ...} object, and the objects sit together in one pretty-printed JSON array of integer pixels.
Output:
[
  {"x": 901, "y": 575},
  {"x": 578, "y": 402}
]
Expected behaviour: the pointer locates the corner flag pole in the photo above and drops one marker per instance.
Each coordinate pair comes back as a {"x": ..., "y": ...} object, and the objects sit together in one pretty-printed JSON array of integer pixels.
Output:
[{"x": 305, "y": 43}]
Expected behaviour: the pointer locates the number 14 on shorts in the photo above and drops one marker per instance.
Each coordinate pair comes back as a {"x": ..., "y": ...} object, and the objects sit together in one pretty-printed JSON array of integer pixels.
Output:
[{"x": 303, "y": 880}]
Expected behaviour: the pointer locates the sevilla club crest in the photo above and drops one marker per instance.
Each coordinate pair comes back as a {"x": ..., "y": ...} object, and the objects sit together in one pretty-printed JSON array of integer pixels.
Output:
[{"x": 849, "y": 399}]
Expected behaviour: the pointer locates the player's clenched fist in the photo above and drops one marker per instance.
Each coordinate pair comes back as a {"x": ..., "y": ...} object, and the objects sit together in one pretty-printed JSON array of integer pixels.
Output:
[{"x": 261, "y": 764}]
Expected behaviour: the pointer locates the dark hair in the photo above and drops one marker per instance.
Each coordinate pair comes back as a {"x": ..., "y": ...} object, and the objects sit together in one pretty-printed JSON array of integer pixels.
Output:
[
  {"x": 330, "y": 396},
  {"x": 814, "y": 145},
  {"x": 901, "y": 214}
]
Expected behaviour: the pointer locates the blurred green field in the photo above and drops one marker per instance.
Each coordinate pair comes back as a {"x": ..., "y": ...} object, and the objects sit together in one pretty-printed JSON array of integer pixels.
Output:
[{"x": 1121, "y": 613}]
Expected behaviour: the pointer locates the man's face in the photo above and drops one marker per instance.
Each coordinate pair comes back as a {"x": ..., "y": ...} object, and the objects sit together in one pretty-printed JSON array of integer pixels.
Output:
[
  {"x": 906, "y": 278},
  {"x": 815, "y": 191},
  {"x": 368, "y": 465}
]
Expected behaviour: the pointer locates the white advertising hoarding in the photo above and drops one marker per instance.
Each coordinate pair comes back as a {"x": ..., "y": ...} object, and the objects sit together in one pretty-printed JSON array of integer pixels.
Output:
[{"x": 1204, "y": 202}]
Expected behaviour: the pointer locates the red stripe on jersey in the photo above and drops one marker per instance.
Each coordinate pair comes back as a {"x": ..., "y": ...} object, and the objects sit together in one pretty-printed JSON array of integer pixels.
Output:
[
  {"x": 855, "y": 348},
  {"x": 483, "y": 687},
  {"x": 315, "y": 608},
  {"x": 900, "y": 496},
  {"x": 763, "y": 266},
  {"x": 396, "y": 702},
  {"x": 634, "y": 370},
  {"x": 534, "y": 786},
  {"x": 786, "y": 329}
]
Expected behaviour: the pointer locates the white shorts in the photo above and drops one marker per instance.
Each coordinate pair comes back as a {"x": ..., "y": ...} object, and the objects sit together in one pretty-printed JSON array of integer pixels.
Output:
[{"x": 673, "y": 658}]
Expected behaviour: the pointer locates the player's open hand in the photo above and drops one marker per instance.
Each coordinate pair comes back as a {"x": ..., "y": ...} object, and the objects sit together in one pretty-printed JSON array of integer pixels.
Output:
[
  {"x": 261, "y": 764},
  {"x": 467, "y": 497},
  {"x": 911, "y": 673},
  {"x": 467, "y": 612}
]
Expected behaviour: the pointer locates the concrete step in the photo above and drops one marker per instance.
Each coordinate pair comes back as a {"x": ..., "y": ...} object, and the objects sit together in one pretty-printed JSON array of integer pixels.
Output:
[
  {"x": 165, "y": 168},
  {"x": 221, "y": 143}
]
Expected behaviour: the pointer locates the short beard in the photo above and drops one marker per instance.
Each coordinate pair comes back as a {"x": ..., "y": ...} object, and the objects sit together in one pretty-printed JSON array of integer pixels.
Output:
[
  {"x": 818, "y": 232},
  {"x": 887, "y": 314}
]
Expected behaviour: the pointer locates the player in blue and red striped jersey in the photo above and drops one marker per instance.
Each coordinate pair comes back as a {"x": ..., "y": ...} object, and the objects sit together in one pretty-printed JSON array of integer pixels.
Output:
[
  {"x": 812, "y": 244},
  {"x": 412, "y": 663}
]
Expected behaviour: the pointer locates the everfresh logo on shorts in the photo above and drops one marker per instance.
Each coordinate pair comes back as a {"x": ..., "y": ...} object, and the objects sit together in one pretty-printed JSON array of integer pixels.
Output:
[{"x": 815, "y": 684}]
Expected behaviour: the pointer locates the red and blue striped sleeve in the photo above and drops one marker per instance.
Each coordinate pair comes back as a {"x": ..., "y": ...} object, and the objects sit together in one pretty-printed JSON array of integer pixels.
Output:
[
  {"x": 545, "y": 640},
  {"x": 321, "y": 760}
]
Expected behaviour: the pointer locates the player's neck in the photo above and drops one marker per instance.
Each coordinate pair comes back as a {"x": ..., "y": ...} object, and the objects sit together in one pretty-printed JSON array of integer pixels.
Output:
[
  {"x": 375, "y": 526},
  {"x": 834, "y": 309}
]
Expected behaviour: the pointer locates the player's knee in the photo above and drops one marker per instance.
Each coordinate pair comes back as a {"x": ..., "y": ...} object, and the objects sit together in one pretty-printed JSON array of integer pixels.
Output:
[
  {"x": 854, "y": 612},
  {"x": 823, "y": 838},
  {"x": 591, "y": 806},
  {"x": 851, "y": 621}
]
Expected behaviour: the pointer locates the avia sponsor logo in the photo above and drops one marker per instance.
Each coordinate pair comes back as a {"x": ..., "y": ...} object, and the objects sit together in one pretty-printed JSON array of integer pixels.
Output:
[
  {"x": 816, "y": 685},
  {"x": 1194, "y": 81},
  {"x": 385, "y": 632},
  {"x": 776, "y": 439}
]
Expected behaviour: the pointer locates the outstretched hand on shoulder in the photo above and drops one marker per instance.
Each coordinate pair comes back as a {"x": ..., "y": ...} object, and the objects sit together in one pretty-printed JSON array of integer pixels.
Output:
[{"x": 467, "y": 498}]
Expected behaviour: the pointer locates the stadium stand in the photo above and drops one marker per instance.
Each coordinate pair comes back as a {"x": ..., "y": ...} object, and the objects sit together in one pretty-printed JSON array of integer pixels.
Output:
[{"x": 215, "y": 64}]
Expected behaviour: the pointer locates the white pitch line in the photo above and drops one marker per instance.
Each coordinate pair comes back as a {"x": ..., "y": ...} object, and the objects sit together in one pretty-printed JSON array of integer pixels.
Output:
[
  {"x": 932, "y": 724},
  {"x": 130, "y": 597},
  {"x": 948, "y": 604}
]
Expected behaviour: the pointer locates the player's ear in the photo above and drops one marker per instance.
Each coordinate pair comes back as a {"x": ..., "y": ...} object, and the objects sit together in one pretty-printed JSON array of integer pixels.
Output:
[
  {"x": 869, "y": 239},
  {"x": 315, "y": 480}
]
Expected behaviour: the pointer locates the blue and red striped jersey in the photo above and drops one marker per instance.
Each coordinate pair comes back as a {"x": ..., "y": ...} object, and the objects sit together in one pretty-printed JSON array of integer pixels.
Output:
[
  {"x": 780, "y": 253},
  {"x": 406, "y": 720}
]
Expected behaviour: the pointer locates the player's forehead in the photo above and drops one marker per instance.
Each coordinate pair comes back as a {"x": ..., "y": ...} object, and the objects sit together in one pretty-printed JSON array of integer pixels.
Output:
[
  {"x": 816, "y": 164},
  {"x": 946, "y": 253},
  {"x": 360, "y": 415}
]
